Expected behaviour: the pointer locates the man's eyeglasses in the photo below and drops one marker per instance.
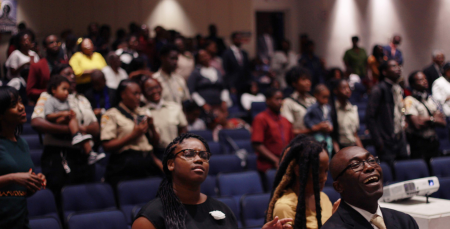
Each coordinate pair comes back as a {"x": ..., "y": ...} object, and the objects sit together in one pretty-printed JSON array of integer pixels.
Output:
[
  {"x": 358, "y": 166},
  {"x": 189, "y": 154}
]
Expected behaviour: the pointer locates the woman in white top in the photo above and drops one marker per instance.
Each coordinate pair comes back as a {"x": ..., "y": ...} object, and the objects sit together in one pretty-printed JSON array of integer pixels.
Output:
[
  {"x": 21, "y": 58},
  {"x": 113, "y": 72},
  {"x": 282, "y": 61},
  {"x": 251, "y": 95},
  {"x": 441, "y": 90}
]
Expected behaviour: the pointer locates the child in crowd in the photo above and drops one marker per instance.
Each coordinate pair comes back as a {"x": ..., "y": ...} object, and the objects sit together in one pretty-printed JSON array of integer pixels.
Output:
[
  {"x": 221, "y": 121},
  {"x": 318, "y": 117},
  {"x": 57, "y": 110},
  {"x": 251, "y": 95},
  {"x": 193, "y": 112}
]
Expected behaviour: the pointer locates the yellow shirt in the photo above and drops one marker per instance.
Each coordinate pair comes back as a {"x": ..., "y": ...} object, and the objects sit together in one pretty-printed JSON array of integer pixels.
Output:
[
  {"x": 81, "y": 63},
  {"x": 286, "y": 207}
]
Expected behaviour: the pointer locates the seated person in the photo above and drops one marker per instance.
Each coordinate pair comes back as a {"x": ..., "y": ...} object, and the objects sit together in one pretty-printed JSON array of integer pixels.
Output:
[
  {"x": 193, "y": 112},
  {"x": 350, "y": 168},
  {"x": 127, "y": 131},
  {"x": 318, "y": 118},
  {"x": 295, "y": 188},
  {"x": 221, "y": 121},
  {"x": 295, "y": 106},
  {"x": 57, "y": 110},
  {"x": 345, "y": 118},
  {"x": 100, "y": 96},
  {"x": 251, "y": 95},
  {"x": 423, "y": 115},
  {"x": 169, "y": 116},
  {"x": 206, "y": 84},
  {"x": 271, "y": 132},
  {"x": 113, "y": 72}
]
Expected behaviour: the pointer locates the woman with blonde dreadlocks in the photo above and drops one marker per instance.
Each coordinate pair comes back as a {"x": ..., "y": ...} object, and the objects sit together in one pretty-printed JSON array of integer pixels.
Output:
[{"x": 298, "y": 184}]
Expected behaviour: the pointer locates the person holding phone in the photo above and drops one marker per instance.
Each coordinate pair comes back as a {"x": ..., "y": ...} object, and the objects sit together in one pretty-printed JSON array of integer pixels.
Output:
[{"x": 128, "y": 133}]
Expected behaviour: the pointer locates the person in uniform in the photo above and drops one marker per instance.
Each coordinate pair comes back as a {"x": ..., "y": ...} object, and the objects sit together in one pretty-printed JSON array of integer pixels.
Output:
[
  {"x": 173, "y": 85},
  {"x": 127, "y": 132}
]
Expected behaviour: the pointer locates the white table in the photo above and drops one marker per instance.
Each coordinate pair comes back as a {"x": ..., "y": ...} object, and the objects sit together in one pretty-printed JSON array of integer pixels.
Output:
[{"x": 433, "y": 215}]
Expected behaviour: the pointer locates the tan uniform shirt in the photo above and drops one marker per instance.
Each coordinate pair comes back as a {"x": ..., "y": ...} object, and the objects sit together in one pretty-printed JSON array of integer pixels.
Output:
[
  {"x": 173, "y": 87},
  {"x": 295, "y": 112},
  {"x": 78, "y": 103},
  {"x": 348, "y": 121},
  {"x": 168, "y": 117},
  {"x": 416, "y": 108},
  {"x": 116, "y": 125}
]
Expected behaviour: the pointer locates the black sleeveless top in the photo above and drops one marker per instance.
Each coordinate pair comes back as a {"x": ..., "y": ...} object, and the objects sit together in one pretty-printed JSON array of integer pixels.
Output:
[{"x": 198, "y": 216}]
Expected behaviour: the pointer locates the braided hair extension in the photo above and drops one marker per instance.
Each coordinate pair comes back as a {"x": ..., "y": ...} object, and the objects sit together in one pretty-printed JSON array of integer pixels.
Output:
[
  {"x": 174, "y": 212},
  {"x": 305, "y": 153}
]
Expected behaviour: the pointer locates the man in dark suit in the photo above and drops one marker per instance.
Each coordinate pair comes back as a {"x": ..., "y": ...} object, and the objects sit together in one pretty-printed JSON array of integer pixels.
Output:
[
  {"x": 358, "y": 177},
  {"x": 100, "y": 96},
  {"x": 236, "y": 65},
  {"x": 214, "y": 37},
  {"x": 385, "y": 114},
  {"x": 435, "y": 71}
]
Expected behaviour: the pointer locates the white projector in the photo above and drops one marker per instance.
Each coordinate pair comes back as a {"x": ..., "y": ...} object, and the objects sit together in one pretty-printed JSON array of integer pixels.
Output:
[{"x": 407, "y": 189}]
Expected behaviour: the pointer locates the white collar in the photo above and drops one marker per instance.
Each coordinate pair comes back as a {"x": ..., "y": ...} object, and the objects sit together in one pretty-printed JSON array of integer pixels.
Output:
[
  {"x": 234, "y": 48},
  {"x": 156, "y": 106},
  {"x": 367, "y": 215}
]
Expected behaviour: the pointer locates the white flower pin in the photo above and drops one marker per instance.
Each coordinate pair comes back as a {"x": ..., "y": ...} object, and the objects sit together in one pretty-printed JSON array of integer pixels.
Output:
[{"x": 217, "y": 215}]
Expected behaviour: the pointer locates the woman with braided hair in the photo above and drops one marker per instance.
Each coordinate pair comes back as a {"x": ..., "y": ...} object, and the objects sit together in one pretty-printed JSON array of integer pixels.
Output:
[
  {"x": 180, "y": 204},
  {"x": 298, "y": 184}
]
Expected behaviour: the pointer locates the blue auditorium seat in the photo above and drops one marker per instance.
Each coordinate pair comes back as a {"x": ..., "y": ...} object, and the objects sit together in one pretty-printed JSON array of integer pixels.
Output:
[
  {"x": 331, "y": 193},
  {"x": 440, "y": 166},
  {"x": 410, "y": 169},
  {"x": 371, "y": 150},
  {"x": 256, "y": 108},
  {"x": 134, "y": 192},
  {"x": 238, "y": 184},
  {"x": 36, "y": 155},
  {"x": 444, "y": 188},
  {"x": 98, "y": 220},
  {"x": 33, "y": 141},
  {"x": 232, "y": 204},
  {"x": 209, "y": 186},
  {"x": 236, "y": 139},
  {"x": 215, "y": 148},
  {"x": 329, "y": 181},
  {"x": 251, "y": 162},
  {"x": 224, "y": 164},
  {"x": 206, "y": 134},
  {"x": 41, "y": 204},
  {"x": 87, "y": 197},
  {"x": 28, "y": 130},
  {"x": 44, "y": 223},
  {"x": 362, "y": 116},
  {"x": 235, "y": 134},
  {"x": 270, "y": 178},
  {"x": 387, "y": 173},
  {"x": 253, "y": 209}
]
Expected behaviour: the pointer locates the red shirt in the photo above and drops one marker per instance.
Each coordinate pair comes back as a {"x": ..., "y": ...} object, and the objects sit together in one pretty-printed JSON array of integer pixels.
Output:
[
  {"x": 38, "y": 78},
  {"x": 274, "y": 132}
]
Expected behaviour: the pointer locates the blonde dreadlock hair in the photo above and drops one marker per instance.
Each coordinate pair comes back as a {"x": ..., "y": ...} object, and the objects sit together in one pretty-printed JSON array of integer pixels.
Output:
[{"x": 304, "y": 152}]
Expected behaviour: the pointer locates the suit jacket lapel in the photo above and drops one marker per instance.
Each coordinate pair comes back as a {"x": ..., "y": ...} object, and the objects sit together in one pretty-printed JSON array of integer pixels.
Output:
[
  {"x": 389, "y": 219},
  {"x": 352, "y": 218}
]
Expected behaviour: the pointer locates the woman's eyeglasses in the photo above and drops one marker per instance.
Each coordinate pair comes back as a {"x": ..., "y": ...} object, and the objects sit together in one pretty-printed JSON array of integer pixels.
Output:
[{"x": 189, "y": 154}]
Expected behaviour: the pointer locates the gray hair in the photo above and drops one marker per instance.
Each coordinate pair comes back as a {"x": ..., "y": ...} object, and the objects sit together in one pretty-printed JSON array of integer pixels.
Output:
[{"x": 437, "y": 52}]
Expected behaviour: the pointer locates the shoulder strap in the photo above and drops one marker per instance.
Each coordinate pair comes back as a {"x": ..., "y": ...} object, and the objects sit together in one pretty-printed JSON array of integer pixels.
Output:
[
  {"x": 429, "y": 112},
  {"x": 298, "y": 102},
  {"x": 125, "y": 113}
]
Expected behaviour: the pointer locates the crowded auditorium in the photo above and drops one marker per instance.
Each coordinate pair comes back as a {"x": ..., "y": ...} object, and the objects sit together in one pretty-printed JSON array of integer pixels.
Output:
[{"x": 211, "y": 114}]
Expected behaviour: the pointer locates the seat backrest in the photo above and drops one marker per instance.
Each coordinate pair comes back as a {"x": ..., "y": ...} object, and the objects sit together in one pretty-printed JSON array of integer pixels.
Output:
[
  {"x": 44, "y": 223},
  {"x": 253, "y": 209},
  {"x": 329, "y": 181},
  {"x": 270, "y": 178},
  {"x": 208, "y": 186},
  {"x": 387, "y": 173},
  {"x": 238, "y": 184},
  {"x": 215, "y": 148},
  {"x": 404, "y": 172},
  {"x": 206, "y": 134},
  {"x": 42, "y": 203},
  {"x": 257, "y": 107},
  {"x": 87, "y": 197},
  {"x": 36, "y": 155},
  {"x": 224, "y": 164},
  {"x": 98, "y": 220},
  {"x": 440, "y": 166},
  {"x": 33, "y": 141},
  {"x": 444, "y": 188},
  {"x": 331, "y": 193},
  {"x": 235, "y": 134}
]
